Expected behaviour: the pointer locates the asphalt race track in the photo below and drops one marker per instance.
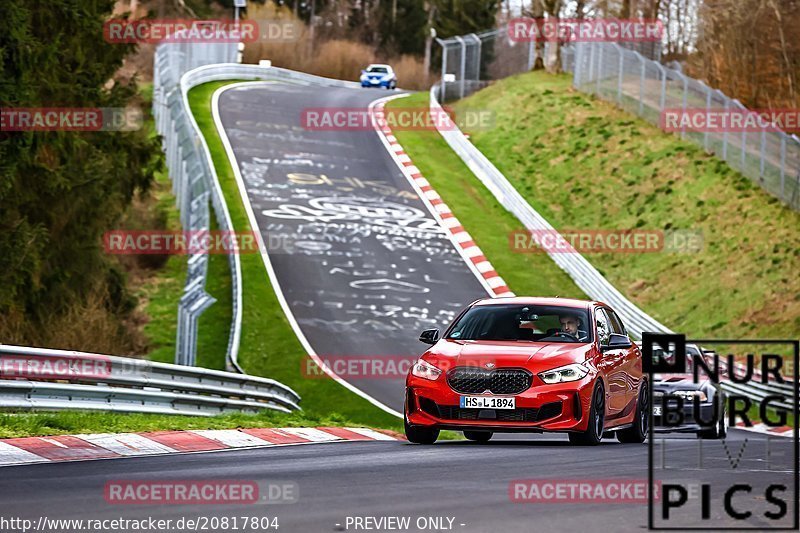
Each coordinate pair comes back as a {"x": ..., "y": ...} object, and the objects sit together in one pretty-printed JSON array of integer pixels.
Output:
[
  {"x": 364, "y": 268},
  {"x": 363, "y": 265},
  {"x": 457, "y": 479}
]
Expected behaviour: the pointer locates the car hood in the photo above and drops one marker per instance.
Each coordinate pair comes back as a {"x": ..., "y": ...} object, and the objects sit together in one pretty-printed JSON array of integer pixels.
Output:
[
  {"x": 673, "y": 382},
  {"x": 535, "y": 356}
]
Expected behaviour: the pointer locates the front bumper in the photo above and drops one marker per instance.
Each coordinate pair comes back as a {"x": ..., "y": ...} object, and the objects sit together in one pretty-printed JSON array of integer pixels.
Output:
[
  {"x": 374, "y": 83},
  {"x": 542, "y": 407},
  {"x": 673, "y": 422}
]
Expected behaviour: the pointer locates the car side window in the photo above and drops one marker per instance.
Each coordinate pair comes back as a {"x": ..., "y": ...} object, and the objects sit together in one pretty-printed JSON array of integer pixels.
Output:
[
  {"x": 603, "y": 327},
  {"x": 615, "y": 322}
]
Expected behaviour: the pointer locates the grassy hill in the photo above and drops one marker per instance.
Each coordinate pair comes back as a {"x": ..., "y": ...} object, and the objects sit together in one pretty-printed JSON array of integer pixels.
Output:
[{"x": 586, "y": 165}]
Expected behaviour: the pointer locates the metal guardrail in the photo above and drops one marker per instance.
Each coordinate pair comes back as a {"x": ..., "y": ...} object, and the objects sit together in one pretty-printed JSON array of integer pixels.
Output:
[
  {"x": 178, "y": 68},
  {"x": 190, "y": 170},
  {"x": 34, "y": 378}
]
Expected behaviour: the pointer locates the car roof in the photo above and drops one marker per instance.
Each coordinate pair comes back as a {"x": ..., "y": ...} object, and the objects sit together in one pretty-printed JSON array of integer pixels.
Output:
[
  {"x": 378, "y": 65},
  {"x": 531, "y": 300}
]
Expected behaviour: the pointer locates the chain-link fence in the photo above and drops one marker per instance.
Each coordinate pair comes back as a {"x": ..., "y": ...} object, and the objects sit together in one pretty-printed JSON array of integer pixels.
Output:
[
  {"x": 470, "y": 62},
  {"x": 645, "y": 87},
  {"x": 190, "y": 172}
]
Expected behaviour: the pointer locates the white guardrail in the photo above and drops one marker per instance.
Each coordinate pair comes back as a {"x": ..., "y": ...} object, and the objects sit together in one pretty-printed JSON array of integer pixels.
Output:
[
  {"x": 192, "y": 171},
  {"x": 43, "y": 379},
  {"x": 585, "y": 276}
]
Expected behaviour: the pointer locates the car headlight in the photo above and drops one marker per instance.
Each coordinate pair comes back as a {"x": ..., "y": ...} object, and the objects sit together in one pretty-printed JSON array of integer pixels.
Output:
[
  {"x": 689, "y": 395},
  {"x": 425, "y": 370},
  {"x": 572, "y": 372},
  {"x": 364, "y": 77}
]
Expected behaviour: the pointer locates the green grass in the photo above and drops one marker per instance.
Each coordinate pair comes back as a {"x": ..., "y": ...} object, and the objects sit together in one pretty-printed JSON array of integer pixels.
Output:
[
  {"x": 479, "y": 212},
  {"x": 585, "y": 164},
  {"x": 72, "y": 422}
]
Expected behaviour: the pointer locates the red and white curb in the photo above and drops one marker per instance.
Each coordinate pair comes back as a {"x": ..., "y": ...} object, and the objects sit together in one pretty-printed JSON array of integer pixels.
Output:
[
  {"x": 28, "y": 450},
  {"x": 781, "y": 431},
  {"x": 461, "y": 239}
]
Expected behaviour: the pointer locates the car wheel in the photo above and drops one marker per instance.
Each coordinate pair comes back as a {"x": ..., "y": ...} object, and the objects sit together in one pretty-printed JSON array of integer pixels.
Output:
[
  {"x": 478, "y": 436},
  {"x": 637, "y": 433},
  {"x": 597, "y": 418},
  {"x": 720, "y": 430},
  {"x": 420, "y": 435}
]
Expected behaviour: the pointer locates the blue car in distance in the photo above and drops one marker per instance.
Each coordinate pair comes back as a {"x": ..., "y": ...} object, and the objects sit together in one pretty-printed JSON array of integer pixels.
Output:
[{"x": 377, "y": 75}]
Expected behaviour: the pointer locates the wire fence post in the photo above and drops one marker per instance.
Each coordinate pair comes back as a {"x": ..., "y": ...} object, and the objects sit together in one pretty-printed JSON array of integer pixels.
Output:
[
  {"x": 708, "y": 112},
  {"x": 621, "y": 71},
  {"x": 462, "y": 66},
  {"x": 599, "y": 67},
  {"x": 725, "y": 133},
  {"x": 783, "y": 165},
  {"x": 531, "y": 53},
  {"x": 641, "y": 83},
  {"x": 478, "y": 56},
  {"x": 444, "y": 69},
  {"x": 685, "y": 100}
]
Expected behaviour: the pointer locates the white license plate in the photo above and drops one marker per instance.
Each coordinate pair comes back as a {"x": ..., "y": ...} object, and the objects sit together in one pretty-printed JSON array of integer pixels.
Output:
[
  {"x": 656, "y": 410},
  {"x": 487, "y": 402}
]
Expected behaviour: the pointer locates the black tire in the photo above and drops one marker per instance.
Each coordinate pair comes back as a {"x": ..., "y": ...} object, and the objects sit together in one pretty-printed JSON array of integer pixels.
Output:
[
  {"x": 478, "y": 436},
  {"x": 720, "y": 430},
  {"x": 597, "y": 418},
  {"x": 420, "y": 435},
  {"x": 637, "y": 433}
]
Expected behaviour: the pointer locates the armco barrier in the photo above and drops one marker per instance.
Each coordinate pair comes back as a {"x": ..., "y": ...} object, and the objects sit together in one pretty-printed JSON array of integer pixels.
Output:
[
  {"x": 132, "y": 385},
  {"x": 193, "y": 175}
]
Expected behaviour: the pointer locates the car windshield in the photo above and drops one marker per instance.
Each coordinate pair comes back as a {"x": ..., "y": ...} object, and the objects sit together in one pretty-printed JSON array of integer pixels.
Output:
[
  {"x": 377, "y": 70},
  {"x": 531, "y": 323}
]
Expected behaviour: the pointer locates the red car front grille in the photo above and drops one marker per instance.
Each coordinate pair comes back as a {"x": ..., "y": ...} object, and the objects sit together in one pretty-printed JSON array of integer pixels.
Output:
[{"x": 472, "y": 380}]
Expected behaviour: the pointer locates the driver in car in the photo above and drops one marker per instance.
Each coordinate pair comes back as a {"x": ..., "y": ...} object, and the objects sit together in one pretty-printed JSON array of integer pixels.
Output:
[{"x": 569, "y": 324}]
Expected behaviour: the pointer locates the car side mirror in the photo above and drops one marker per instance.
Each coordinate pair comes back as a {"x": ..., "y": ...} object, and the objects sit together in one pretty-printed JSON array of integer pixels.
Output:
[
  {"x": 617, "y": 342},
  {"x": 430, "y": 336}
]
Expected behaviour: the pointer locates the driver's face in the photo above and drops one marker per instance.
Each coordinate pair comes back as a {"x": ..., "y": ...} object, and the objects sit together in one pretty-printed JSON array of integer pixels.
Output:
[{"x": 569, "y": 325}]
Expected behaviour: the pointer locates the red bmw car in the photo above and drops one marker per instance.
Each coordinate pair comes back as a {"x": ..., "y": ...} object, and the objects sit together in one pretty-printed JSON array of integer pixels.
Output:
[{"x": 529, "y": 365}]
